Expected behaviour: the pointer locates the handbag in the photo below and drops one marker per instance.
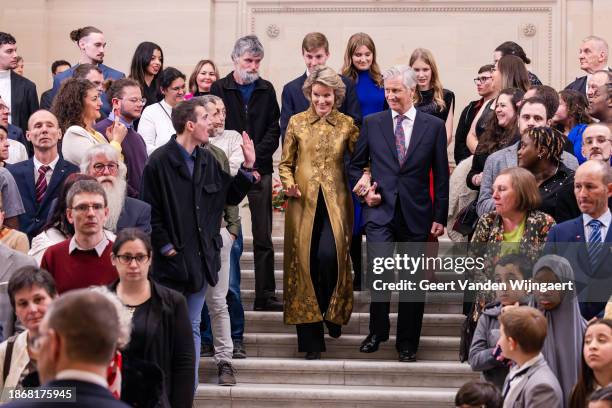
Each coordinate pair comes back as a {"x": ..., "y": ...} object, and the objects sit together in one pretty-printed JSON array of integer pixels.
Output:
[{"x": 466, "y": 220}]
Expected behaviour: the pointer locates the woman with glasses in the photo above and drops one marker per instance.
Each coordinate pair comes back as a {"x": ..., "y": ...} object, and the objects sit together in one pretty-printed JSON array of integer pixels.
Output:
[
  {"x": 77, "y": 107},
  {"x": 126, "y": 99},
  {"x": 30, "y": 292},
  {"x": 158, "y": 362},
  {"x": 155, "y": 125}
]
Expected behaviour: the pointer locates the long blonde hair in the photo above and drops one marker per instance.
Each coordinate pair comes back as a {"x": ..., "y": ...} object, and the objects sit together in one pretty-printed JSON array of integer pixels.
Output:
[
  {"x": 427, "y": 57},
  {"x": 349, "y": 70}
]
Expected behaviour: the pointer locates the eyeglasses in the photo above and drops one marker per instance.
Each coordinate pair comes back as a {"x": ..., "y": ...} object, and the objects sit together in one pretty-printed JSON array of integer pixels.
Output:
[
  {"x": 143, "y": 101},
  {"x": 99, "y": 167},
  {"x": 127, "y": 259},
  {"x": 481, "y": 80},
  {"x": 177, "y": 89},
  {"x": 82, "y": 208},
  {"x": 4, "y": 107}
]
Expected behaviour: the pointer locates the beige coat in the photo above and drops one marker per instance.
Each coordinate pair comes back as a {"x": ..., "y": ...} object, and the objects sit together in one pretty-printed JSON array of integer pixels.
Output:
[
  {"x": 313, "y": 158},
  {"x": 19, "y": 361}
]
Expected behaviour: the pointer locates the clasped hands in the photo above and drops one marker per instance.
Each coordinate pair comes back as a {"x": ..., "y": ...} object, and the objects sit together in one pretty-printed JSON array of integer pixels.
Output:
[{"x": 366, "y": 191}]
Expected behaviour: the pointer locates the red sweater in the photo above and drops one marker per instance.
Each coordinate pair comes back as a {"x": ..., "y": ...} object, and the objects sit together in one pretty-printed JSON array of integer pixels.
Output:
[{"x": 79, "y": 269}]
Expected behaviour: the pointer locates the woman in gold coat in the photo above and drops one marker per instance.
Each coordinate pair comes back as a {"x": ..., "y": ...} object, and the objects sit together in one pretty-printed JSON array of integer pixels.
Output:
[{"x": 318, "y": 222}]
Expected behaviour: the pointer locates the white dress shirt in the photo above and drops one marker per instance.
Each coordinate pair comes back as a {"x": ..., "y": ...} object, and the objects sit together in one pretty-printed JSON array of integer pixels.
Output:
[
  {"x": 48, "y": 175},
  {"x": 407, "y": 124},
  {"x": 605, "y": 220},
  {"x": 99, "y": 248},
  {"x": 5, "y": 90}
]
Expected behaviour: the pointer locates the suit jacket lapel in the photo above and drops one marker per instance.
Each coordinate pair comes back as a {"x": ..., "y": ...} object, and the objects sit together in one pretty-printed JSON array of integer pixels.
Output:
[
  {"x": 16, "y": 93},
  {"x": 30, "y": 181},
  {"x": 56, "y": 179},
  {"x": 386, "y": 126},
  {"x": 418, "y": 130}
]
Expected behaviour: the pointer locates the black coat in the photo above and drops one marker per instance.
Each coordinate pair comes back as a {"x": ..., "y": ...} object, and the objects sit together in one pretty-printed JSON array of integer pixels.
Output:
[
  {"x": 259, "y": 119},
  {"x": 168, "y": 344},
  {"x": 463, "y": 128},
  {"x": 186, "y": 212},
  {"x": 24, "y": 100}
]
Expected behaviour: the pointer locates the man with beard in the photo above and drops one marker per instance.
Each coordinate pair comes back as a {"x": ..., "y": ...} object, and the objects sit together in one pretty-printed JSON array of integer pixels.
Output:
[
  {"x": 102, "y": 162},
  {"x": 251, "y": 106},
  {"x": 597, "y": 94},
  {"x": 91, "y": 43},
  {"x": 126, "y": 98}
]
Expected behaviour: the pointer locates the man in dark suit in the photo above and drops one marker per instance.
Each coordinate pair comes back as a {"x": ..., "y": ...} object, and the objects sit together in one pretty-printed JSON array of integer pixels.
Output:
[
  {"x": 39, "y": 179},
  {"x": 188, "y": 190},
  {"x": 18, "y": 92},
  {"x": 315, "y": 51},
  {"x": 14, "y": 132},
  {"x": 591, "y": 262},
  {"x": 593, "y": 56},
  {"x": 73, "y": 357},
  {"x": 91, "y": 43},
  {"x": 401, "y": 146},
  {"x": 46, "y": 98}
]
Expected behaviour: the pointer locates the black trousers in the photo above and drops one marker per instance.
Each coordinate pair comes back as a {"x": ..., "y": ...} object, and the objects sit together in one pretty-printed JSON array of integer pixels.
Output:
[
  {"x": 324, "y": 275},
  {"x": 411, "y": 306},
  {"x": 260, "y": 205}
]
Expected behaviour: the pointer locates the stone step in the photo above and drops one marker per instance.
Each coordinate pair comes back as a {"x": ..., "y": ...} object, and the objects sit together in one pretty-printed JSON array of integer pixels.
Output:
[
  {"x": 344, "y": 372},
  {"x": 247, "y": 260},
  {"x": 441, "y": 324},
  {"x": 450, "y": 303},
  {"x": 322, "y": 396},
  {"x": 347, "y": 347},
  {"x": 277, "y": 241}
]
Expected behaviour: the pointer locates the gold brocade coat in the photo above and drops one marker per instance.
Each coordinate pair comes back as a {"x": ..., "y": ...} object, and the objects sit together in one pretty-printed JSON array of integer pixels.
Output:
[{"x": 313, "y": 158}]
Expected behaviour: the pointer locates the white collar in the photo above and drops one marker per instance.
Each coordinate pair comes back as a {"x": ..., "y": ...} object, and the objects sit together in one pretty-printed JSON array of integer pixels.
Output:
[
  {"x": 100, "y": 247},
  {"x": 38, "y": 164},
  {"x": 516, "y": 369},
  {"x": 81, "y": 375},
  {"x": 605, "y": 218},
  {"x": 410, "y": 113},
  {"x": 5, "y": 74}
]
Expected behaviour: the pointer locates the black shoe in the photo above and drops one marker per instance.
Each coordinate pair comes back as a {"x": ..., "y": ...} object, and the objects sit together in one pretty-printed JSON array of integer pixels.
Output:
[
  {"x": 207, "y": 350},
  {"x": 407, "y": 356},
  {"x": 239, "y": 351},
  {"x": 270, "y": 304},
  {"x": 371, "y": 343},
  {"x": 313, "y": 355},
  {"x": 226, "y": 373}
]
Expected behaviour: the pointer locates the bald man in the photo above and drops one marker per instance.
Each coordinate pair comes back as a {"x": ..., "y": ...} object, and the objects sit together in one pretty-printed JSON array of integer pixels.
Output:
[
  {"x": 40, "y": 178},
  {"x": 593, "y": 57},
  {"x": 586, "y": 241}
]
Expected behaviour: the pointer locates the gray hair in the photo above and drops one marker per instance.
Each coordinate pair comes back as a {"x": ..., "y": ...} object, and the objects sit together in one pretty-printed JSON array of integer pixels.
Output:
[
  {"x": 206, "y": 99},
  {"x": 328, "y": 77},
  {"x": 601, "y": 43},
  {"x": 404, "y": 72},
  {"x": 125, "y": 317},
  {"x": 107, "y": 150},
  {"x": 248, "y": 43}
]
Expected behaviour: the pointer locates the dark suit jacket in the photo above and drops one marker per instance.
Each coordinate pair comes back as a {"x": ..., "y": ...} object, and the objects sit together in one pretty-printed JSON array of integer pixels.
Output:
[
  {"x": 46, "y": 99},
  {"x": 16, "y": 133},
  {"x": 409, "y": 182},
  {"x": 594, "y": 284},
  {"x": 293, "y": 101},
  {"x": 88, "y": 395},
  {"x": 135, "y": 214},
  {"x": 35, "y": 216},
  {"x": 579, "y": 85},
  {"x": 186, "y": 212},
  {"x": 24, "y": 100}
]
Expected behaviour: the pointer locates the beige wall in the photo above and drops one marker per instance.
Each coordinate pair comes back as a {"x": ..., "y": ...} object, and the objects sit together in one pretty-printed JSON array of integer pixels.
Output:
[{"x": 461, "y": 33}]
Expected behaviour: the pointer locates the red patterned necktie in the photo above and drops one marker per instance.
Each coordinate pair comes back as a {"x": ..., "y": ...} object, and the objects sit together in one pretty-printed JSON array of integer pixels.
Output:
[
  {"x": 41, "y": 183},
  {"x": 400, "y": 139}
]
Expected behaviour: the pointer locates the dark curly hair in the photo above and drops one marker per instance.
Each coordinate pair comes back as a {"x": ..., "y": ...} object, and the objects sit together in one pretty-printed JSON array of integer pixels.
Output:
[
  {"x": 577, "y": 107},
  {"x": 549, "y": 140},
  {"x": 496, "y": 137},
  {"x": 69, "y": 105}
]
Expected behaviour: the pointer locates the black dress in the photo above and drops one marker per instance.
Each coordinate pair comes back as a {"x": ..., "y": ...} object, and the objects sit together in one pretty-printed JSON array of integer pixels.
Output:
[
  {"x": 463, "y": 128},
  {"x": 428, "y": 105}
]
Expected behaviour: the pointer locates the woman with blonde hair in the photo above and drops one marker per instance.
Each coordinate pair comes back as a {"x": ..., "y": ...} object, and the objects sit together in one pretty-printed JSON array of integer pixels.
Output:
[
  {"x": 431, "y": 97},
  {"x": 319, "y": 217},
  {"x": 202, "y": 78}
]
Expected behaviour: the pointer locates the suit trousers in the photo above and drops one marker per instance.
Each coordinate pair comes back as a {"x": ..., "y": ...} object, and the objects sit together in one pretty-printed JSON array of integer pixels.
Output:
[
  {"x": 410, "y": 310},
  {"x": 260, "y": 205},
  {"x": 324, "y": 275}
]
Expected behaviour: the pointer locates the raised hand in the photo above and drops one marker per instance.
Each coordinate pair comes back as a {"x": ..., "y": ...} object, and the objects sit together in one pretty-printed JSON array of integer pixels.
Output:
[
  {"x": 117, "y": 131},
  {"x": 248, "y": 150}
]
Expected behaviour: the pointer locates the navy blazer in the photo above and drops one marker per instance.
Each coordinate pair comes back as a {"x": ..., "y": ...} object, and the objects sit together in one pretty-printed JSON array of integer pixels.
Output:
[
  {"x": 293, "y": 101},
  {"x": 88, "y": 395},
  {"x": 16, "y": 133},
  {"x": 408, "y": 182},
  {"x": 35, "y": 215},
  {"x": 24, "y": 100},
  {"x": 579, "y": 84},
  {"x": 593, "y": 284},
  {"x": 107, "y": 73}
]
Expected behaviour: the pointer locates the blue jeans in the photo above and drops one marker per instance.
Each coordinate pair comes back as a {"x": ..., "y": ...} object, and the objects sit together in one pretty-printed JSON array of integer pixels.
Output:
[
  {"x": 234, "y": 303},
  {"x": 195, "y": 302}
]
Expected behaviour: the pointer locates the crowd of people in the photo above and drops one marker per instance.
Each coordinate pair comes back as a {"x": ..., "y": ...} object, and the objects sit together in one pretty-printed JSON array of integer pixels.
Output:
[{"x": 131, "y": 185}]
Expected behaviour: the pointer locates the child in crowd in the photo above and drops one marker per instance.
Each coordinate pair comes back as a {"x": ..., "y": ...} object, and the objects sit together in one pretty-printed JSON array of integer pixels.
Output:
[
  {"x": 563, "y": 344},
  {"x": 596, "y": 371},
  {"x": 530, "y": 382},
  {"x": 478, "y": 394},
  {"x": 483, "y": 356}
]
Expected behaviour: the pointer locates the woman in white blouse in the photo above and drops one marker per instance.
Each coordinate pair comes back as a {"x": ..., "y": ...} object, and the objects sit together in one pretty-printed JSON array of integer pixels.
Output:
[
  {"x": 155, "y": 124},
  {"x": 77, "y": 107}
]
